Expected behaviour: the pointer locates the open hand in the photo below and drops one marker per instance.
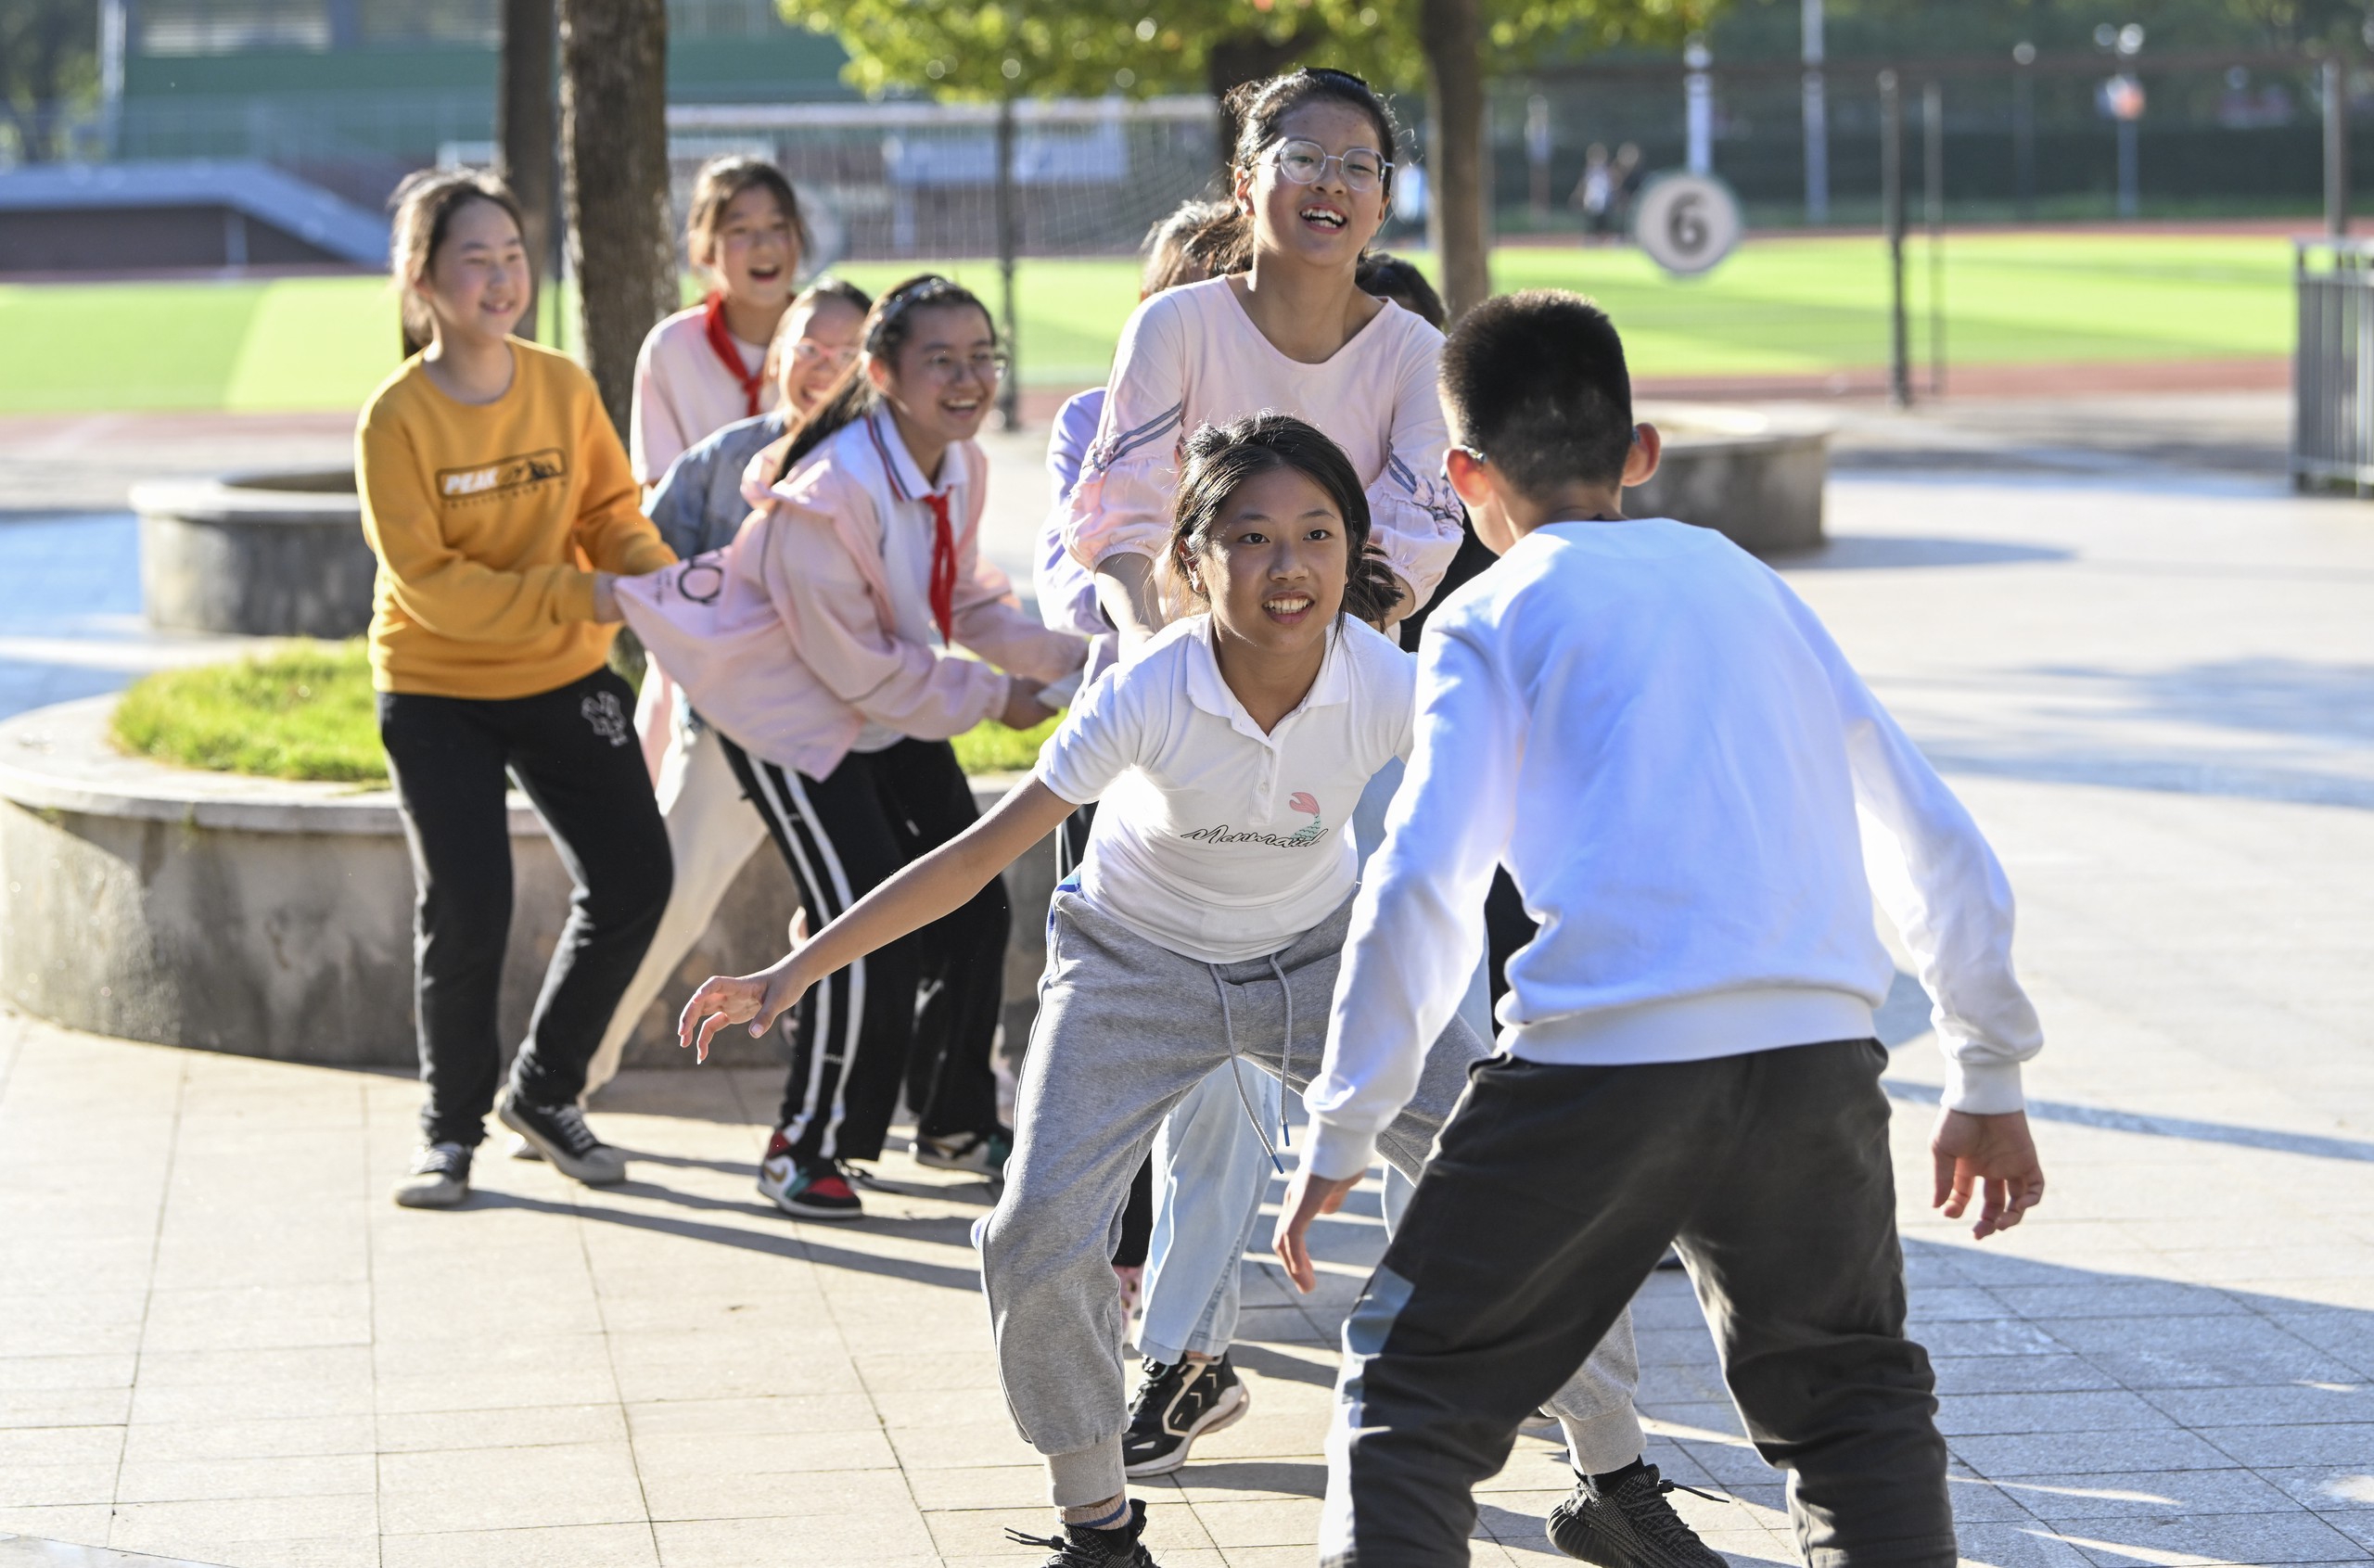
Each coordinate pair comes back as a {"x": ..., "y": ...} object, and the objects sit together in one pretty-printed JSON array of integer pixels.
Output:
[
  {"x": 1991, "y": 1158},
  {"x": 1307, "y": 1197},
  {"x": 758, "y": 1000},
  {"x": 1023, "y": 709}
]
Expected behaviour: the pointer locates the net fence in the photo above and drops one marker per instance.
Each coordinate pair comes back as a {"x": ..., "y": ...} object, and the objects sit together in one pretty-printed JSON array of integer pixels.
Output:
[{"x": 896, "y": 182}]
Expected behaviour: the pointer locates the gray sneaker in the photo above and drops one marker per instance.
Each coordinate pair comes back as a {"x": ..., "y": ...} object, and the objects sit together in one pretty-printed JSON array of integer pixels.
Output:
[
  {"x": 559, "y": 1133},
  {"x": 440, "y": 1177}
]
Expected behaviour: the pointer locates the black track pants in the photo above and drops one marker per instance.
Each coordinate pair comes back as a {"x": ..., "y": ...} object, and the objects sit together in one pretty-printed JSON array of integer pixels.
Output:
[
  {"x": 574, "y": 754},
  {"x": 924, "y": 1009},
  {"x": 1554, "y": 1191}
]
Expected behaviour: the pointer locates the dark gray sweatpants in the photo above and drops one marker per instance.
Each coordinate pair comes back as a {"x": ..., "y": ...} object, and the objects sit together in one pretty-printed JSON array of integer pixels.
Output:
[
  {"x": 1553, "y": 1195},
  {"x": 1127, "y": 1028}
]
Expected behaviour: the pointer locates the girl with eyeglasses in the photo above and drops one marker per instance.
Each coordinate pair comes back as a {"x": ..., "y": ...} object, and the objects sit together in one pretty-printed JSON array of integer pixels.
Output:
[
  {"x": 698, "y": 507},
  {"x": 820, "y": 646},
  {"x": 1293, "y": 332}
]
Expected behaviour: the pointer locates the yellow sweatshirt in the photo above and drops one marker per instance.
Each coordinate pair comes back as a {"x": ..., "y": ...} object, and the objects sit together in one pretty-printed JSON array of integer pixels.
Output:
[{"x": 489, "y": 521}]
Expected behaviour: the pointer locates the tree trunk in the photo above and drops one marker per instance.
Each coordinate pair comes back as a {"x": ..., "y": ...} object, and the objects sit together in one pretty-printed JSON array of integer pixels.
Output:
[
  {"x": 614, "y": 137},
  {"x": 1449, "y": 33},
  {"x": 523, "y": 131},
  {"x": 1233, "y": 61}
]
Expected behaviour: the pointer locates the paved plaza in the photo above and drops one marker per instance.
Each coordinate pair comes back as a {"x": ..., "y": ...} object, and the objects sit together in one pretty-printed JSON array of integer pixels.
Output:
[{"x": 2148, "y": 669}]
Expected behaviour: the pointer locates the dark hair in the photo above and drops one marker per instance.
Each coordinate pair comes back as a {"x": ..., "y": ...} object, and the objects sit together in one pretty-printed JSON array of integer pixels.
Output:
[
  {"x": 714, "y": 188},
  {"x": 1220, "y": 461},
  {"x": 1535, "y": 382},
  {"x": 832, "y": 286},
  {"x": 1202, "y": 239},
  {"x": 424, "y": 206},
  {"x": 1390, "y": 277},
  {"x": 887, "y": 326},
  {"x": 1260, "y": 107}
]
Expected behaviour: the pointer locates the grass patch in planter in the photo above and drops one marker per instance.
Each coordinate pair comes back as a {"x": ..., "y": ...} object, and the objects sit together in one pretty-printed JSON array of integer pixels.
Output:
[{"x": 306, "y": 710}]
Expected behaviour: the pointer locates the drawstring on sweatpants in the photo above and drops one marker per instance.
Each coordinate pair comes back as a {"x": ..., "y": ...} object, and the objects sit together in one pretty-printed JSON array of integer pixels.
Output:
[{"x": 1236, "y": 1062}]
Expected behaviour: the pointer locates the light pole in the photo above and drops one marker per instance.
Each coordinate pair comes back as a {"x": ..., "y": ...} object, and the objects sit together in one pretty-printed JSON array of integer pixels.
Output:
[
  {"x": 1816, "y": 120},
  {"x": 1698, "y": 107},
  {"x": 2023, "y": 130},
  {"x": 1892, "y": 207},
  {"x": 2121, "y": 100}
]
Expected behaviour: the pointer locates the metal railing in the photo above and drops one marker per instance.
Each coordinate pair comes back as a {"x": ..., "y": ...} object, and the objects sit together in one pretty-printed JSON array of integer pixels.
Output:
[{"x": 2332, "y": 369}]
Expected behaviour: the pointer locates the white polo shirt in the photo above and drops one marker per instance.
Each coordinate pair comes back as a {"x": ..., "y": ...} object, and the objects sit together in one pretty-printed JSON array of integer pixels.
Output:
[{"x": 1213, "y": 840}]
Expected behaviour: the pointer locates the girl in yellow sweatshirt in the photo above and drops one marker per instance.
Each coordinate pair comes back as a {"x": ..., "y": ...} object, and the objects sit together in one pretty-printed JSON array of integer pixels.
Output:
[{"x": 497, "y": 497}]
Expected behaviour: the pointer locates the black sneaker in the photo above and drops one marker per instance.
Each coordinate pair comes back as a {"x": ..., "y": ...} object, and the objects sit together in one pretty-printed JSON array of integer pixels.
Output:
[
  {"x": 1080, "y": 1547},
  {"x": 559, "y": 1133},
  {"x": 1176, "y": 1405},
  {"x": 1633, "y": 1526},
  {"x": 980, "y": 1154}
]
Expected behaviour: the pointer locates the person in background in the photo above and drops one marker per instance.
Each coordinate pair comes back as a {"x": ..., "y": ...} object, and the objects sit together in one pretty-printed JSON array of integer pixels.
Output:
[
  {"x": 1594, "y": 194},
  {"x": 705, "y": 368},
  {"x": 501, "y": 509},
  {"x": 698, "y": 507},
  {"x": 1626, "y": 175},
  {"x": 821, "y": 646}
]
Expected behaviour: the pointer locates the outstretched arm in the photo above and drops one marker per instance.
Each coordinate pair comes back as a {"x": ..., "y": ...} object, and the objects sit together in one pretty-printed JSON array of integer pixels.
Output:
[{"x": 934, "y": 886}]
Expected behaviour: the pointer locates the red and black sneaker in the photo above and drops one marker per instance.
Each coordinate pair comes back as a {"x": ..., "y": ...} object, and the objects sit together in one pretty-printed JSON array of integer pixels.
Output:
[{"x": 814, "y": 1188}]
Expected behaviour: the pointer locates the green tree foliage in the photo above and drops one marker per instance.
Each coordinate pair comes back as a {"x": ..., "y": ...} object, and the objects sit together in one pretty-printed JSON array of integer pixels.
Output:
[
  {"x": 1911, "y": 29},
  {"x": 1090, "y": 48},
  {"x": 48, "y": 59}
]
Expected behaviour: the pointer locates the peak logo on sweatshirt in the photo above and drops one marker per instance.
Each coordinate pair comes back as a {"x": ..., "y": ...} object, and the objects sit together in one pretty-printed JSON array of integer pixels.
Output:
[{"x": 504, "y": 476}]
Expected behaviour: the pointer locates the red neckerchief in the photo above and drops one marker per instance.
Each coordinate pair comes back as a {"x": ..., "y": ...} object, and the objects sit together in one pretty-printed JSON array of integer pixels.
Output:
[
  {"x": 729, "y": 348},
  {"x": 943, "y": 565}
]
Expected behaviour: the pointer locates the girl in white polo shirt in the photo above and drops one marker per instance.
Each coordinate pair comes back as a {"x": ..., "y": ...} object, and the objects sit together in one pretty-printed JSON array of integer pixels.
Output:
[{"x": 1203, "y": 925}]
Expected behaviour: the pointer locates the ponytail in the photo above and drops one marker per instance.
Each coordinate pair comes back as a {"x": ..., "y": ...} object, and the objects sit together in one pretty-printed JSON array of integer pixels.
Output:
[{"x": 887, "y": 326}]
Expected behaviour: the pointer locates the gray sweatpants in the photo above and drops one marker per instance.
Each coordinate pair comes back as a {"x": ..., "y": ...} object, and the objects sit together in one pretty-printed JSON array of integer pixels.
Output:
[{"x": 1125, "y": 1029}]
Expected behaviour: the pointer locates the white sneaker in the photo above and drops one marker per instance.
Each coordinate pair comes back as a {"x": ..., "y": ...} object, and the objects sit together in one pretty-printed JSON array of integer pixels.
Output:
[{"x": 440, "y": 1177}]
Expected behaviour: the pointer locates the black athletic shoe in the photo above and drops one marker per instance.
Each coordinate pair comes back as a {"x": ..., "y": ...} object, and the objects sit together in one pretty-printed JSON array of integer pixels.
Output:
[
  {"x": 1633, "y": 1526},
  {"x": 1175, "y": 1406},
  {"x": 1080, "y": 1547},
  {"x": 559, "y": 1133}
]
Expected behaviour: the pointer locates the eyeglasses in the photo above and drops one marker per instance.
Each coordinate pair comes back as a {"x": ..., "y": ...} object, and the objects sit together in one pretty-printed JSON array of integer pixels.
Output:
[
  {"x": 807, "y": 350},
  {"x": 947, "y": 368},
  {"x": 1305, "y": 163}
]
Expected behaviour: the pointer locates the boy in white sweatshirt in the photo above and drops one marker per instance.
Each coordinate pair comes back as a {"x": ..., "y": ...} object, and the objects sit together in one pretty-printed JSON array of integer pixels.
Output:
[{"x": 1684, "y": 776}]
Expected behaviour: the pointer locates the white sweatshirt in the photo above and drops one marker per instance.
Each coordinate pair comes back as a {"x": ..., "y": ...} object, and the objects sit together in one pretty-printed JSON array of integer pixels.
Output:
[{"x": 1671, "y": 756}]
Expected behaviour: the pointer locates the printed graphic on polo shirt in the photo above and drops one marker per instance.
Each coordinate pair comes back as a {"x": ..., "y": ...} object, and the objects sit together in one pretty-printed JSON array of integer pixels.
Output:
[
  {"x": 504, "y": 476},
  {"x": 1310, "y": 834}
]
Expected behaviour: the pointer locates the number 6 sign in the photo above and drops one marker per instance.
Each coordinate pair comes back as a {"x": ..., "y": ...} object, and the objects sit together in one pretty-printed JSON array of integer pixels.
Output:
[{"x": 1686, "y": 223}]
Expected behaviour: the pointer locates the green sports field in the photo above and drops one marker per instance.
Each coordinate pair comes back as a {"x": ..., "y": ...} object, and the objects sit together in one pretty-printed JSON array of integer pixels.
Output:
[{"x": 1782, "y": 307}]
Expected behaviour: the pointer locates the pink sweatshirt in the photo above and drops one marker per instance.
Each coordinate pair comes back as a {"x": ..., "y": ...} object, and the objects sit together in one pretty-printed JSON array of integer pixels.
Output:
[
  {"x": 682, "y": 392},
  {"x": 810, "y": 636},
  {"x": 1191, "y": 356}
]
